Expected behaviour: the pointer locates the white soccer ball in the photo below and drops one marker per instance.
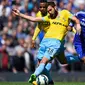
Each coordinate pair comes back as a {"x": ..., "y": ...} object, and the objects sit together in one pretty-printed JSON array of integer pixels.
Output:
[{"x": 42, "y": 80}]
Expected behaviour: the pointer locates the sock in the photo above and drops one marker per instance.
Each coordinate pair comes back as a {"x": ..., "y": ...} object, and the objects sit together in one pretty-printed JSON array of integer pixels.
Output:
[
  {"x": 48, "y": 66},
  {"x": 46, "y": 71},
  {"x": 40, "y": 69}
]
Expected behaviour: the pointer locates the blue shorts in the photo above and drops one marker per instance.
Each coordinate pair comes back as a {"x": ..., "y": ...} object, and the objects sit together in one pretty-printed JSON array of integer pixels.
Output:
[
  {"x": 48, "y": 48},
  {"x": 80, "y": 49}
]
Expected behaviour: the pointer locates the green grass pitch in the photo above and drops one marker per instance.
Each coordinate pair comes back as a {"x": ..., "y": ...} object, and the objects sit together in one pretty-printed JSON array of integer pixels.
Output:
[{"x": 56, "y": 83}]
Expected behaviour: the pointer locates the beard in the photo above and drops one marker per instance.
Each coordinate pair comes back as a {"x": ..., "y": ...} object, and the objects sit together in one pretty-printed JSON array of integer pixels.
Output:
[{"x": 54, "y": 15}]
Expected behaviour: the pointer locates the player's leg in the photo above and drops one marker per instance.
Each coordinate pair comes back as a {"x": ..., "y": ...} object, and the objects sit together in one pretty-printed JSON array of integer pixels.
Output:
[
  {"x": 72, "y": 59},
  {"x": 42, "y": 62},
  {"x": 46, "y": 70},
  {"x": 39, "y": 57},
  {"x": 47, "y": 73},
  {"x": 61, "y": 55},
  {"x": 62, "y": 62},
  {"x": 41, "y": 66},
  {"x": 52, "y": 46},
  {"x": 50, "y": 52},
  {"x": 67, "y": 59},
  {"x": 38, "y": 71}
]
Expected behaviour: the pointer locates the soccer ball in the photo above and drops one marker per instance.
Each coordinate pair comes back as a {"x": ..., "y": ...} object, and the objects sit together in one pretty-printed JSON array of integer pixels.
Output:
[{"x": 42, "y": 80}]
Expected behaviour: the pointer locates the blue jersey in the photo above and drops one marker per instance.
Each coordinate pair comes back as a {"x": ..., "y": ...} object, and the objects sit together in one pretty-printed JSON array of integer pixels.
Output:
[{"x": 80, "y": 39}]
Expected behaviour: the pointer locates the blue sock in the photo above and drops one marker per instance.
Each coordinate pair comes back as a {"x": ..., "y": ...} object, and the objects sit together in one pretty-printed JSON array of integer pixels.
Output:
[
  {"x": 40, "y": 69},
  {"x": 46, "y": 71},
  {"x": 48, "y": 66}
]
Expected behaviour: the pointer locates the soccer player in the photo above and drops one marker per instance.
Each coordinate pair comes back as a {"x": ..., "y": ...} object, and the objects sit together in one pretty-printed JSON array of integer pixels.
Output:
[
  {"x": 79, "y": 40},
  {"x": 54, "y": 36},
  {"x": 42, "y": 27}
]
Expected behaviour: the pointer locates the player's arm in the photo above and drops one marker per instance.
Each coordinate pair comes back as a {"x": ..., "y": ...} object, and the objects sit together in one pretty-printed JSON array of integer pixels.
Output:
[
  {"x": 78, "y": 27},
  {"x": 73, "y": 18},
  {"x": 37, "y": 29},
  {"x": 36, "y": 32},
  {"x": 71, "y": 27},
  {"x": 34, "y": 19}
]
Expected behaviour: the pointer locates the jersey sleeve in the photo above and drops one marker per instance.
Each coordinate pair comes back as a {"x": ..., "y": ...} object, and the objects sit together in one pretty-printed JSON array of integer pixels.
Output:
[{"x": 36, "y": 32}]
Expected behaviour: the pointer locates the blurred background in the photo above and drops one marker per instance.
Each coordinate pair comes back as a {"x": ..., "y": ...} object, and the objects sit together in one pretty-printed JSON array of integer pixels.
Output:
[{"x": 16, "y": 54}]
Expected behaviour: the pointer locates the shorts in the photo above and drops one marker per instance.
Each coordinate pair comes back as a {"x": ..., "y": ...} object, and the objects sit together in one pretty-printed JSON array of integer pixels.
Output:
[{"x": 48, "y": 48}]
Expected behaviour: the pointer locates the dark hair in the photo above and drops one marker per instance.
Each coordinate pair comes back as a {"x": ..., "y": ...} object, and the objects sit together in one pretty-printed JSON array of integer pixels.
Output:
[
  {"x": 51, "y": 4},
  {"x": 42, "y": 1}
]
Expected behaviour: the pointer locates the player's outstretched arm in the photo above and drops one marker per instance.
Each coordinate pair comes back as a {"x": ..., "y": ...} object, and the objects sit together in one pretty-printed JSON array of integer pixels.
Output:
[
  {"x": 34, "y": 19},
  {"x": 78, "y": 27}
]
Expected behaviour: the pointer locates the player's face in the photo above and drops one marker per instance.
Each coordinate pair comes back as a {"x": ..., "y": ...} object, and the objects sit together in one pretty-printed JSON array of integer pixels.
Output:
[
  {"x": 51, "y": 10},
  {"x": 43, "y": 8}
]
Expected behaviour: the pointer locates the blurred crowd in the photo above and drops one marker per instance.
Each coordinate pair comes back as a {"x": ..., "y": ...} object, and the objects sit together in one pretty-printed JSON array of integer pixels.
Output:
[{"x": 16, "y": 54}]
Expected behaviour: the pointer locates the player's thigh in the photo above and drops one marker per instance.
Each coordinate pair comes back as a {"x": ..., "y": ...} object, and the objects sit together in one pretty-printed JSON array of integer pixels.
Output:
[
  {"x": 61, "y": 58},
  {"x": 61, "y": 55},
  {"x": 50, "y": 52},
  {"x": 52, "y": 46}
]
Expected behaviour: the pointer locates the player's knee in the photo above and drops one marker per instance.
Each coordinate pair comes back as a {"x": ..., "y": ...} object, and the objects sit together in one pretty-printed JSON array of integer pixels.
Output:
[{"x": 44, "y": 60}]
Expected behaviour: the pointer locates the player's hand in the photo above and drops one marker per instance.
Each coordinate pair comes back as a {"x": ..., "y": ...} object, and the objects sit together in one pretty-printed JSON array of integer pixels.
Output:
[
  {"x": 78, "y": 29},
  {"x": 16, "y": 12},
  {"x": 33, "y": 44}
]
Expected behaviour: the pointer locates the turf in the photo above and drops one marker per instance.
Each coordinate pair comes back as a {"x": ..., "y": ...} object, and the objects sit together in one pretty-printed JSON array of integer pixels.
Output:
[{"x": 56, "y": 83}]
